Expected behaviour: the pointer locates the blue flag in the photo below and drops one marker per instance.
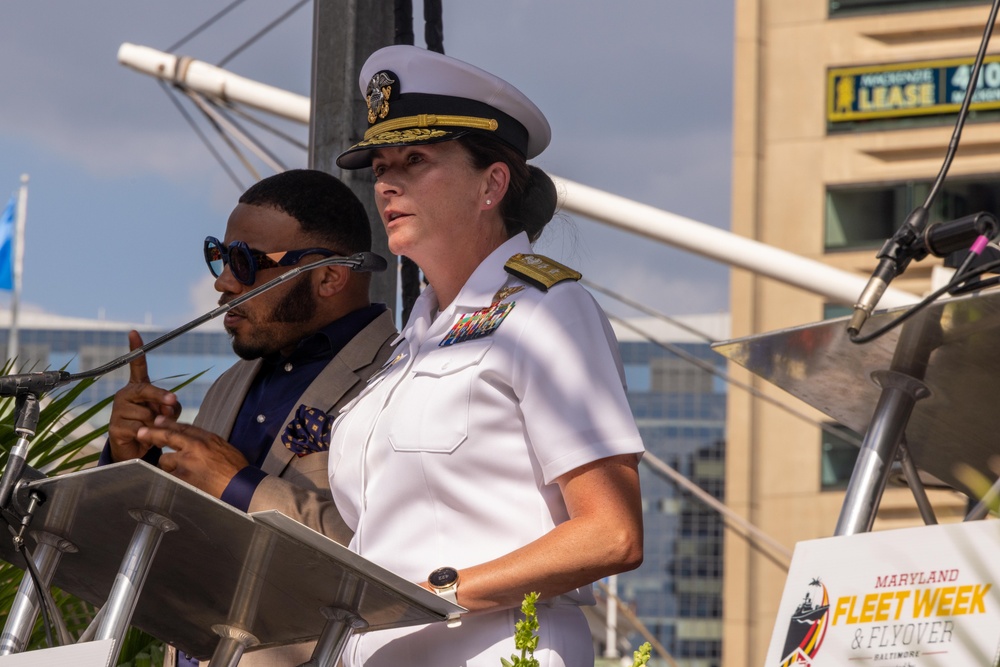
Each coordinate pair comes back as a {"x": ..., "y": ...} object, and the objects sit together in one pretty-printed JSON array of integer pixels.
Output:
[{"x": 7, "y": 246}]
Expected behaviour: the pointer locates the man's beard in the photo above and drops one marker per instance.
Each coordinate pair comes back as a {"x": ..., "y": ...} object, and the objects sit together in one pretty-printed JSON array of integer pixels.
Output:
[{"x": 298, "y": 306}]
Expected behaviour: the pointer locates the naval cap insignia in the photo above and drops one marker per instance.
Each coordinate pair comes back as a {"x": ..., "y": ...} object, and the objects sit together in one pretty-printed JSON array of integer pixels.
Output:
[{"x": 377, "y": 95}]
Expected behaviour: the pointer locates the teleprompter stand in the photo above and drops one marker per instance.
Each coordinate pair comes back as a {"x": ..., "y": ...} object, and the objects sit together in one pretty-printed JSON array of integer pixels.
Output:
[
  {"x": 922, "y": 394},
  {"x": 156, "y": 553}
]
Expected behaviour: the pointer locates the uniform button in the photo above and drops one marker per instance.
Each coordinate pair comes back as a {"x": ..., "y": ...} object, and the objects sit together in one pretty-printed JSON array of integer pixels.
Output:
[
  {"x": 260, "y": 419},
  {"x": 288, "y": 367}
]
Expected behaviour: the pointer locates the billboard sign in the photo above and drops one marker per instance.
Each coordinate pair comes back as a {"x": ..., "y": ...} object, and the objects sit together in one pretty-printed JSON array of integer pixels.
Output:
[{"x": 902, "y": 90}]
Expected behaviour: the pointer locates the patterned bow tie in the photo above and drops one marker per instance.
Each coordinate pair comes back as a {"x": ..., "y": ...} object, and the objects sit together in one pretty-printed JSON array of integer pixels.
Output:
[{"x": 308, "y": 431}]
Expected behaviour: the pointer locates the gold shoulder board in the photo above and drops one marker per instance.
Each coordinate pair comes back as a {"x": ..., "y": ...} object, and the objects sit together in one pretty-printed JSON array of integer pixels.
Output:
[{"x": 539, "y": 271}]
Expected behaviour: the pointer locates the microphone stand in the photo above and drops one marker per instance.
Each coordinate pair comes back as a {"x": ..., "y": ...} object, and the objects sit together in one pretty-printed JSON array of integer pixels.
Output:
[{"x": 27, "y": 387}]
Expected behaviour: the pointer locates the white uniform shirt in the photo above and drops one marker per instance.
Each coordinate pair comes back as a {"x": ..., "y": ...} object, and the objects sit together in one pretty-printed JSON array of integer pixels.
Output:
[{"x": 448, "y": 456}]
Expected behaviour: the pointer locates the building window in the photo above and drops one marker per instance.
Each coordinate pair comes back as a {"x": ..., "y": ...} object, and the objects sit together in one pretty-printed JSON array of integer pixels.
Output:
[
  {"x": 834, "y": 310},
  {"x": 839, "y": 454},
  {"x": 860, "y": 217},
  {"x": 844, "y": 7},
  {"x": 637, "y": 377},
  {"x": 679, "y": 376}
]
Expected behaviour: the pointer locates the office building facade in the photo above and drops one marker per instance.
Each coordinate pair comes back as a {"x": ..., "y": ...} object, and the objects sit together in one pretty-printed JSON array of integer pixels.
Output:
[
  {"x": 77, "y": 345},
  {"x": 843, "y": 113},
  {"x": 680, "y": 408}
]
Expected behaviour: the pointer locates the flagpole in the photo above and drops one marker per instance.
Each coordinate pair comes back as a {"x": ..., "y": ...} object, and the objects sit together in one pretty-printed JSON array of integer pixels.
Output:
[{"x": 22, "y": 210}]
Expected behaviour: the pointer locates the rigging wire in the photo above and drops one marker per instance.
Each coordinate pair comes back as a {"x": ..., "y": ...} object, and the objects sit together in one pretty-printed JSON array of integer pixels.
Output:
[
  {"x": 228, "y": 129},
  {"x": 224, "y": 112},
  {"x": 268, "y": 156},
  {"x": 223, "y": 135},
  {"x": 263, "y": 31},
  {"x": 284, "y": 136},
  {"x": 649, "y": 311},
  {"x": 708, "y": 367},
  {"x": 754, "y": 534},
  {"x": 201, "y": 135},
  {"x": 199, "y": 29}
]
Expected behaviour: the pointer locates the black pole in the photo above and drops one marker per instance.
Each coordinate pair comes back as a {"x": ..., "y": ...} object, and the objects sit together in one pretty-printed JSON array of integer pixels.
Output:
[{"x": 345, "y": 33}]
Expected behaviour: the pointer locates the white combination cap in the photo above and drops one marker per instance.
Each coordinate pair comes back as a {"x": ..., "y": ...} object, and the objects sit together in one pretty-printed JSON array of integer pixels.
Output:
[{"x": 416, "y": 96}]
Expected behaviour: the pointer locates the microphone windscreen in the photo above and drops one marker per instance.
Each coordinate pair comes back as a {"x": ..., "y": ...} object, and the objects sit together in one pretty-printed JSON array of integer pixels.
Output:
[{"x": 369, "y": 261}]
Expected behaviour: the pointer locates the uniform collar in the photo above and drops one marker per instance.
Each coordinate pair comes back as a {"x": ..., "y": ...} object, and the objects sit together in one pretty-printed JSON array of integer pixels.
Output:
[
  {"x": 489, "y": 276},
  {"x": 477, "y": 292}
]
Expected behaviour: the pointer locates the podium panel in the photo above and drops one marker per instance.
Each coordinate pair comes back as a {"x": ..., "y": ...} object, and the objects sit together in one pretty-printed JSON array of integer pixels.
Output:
[
  {"x": 927, "y": 596},
  {"x": 215, "y": 566},
  {"x": 952, "y": 347}
]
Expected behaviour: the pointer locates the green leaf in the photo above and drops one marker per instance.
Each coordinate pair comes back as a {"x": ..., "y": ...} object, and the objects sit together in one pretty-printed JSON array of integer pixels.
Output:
[
  {"x": 641, "y": 657},
  {"x": 524, "y": 634}
]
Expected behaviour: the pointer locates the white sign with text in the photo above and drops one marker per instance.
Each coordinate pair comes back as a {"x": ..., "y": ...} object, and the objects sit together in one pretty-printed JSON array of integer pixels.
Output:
[{"x": 915, "y": 597}]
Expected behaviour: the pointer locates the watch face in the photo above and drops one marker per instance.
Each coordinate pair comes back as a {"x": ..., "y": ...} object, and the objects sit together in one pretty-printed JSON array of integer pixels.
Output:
[{"x": 443, "y": 577}]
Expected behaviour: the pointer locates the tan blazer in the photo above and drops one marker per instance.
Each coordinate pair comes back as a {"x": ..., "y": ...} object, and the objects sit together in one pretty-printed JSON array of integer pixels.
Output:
[{"x": 299, "y": 487}]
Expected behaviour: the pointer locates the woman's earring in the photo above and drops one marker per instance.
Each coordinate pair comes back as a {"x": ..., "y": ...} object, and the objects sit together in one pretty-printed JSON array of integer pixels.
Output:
[{"x": 489, "y": 201}]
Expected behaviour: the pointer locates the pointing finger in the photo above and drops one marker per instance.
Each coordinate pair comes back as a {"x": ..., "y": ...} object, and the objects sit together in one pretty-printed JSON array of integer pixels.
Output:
[{"x": 138, "y": 370}]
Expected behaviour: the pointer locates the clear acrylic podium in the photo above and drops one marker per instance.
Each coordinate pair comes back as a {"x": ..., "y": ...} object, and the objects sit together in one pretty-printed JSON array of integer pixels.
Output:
[{"x": 160, "y": 555}]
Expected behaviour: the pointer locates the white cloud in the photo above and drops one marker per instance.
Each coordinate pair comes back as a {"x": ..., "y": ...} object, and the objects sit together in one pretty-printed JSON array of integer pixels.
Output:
[{"x": 204, "y": 299}]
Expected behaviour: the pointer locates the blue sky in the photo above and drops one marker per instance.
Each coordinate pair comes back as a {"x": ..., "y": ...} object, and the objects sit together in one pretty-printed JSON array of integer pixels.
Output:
[{"x": 122, "y": 191}]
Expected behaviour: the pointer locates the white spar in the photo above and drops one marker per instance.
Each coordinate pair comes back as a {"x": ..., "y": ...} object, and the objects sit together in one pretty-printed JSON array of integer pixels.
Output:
[
  {"x": 214, "y": 81},
  {"x": 697, "y": 237},
  {"x": 714, "y": 243}
]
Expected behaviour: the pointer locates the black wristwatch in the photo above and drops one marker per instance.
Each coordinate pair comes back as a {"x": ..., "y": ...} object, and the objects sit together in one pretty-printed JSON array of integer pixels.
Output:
[{"x": 444, "y": 582}]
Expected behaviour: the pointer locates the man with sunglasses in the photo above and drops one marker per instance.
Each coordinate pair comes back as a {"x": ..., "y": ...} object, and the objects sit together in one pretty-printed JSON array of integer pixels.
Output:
[{"x": 307, "y": 347}]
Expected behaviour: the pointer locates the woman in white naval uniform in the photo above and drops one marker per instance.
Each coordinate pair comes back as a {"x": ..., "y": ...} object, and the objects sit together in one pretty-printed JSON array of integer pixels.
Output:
[{"x": 497, "y": 448}]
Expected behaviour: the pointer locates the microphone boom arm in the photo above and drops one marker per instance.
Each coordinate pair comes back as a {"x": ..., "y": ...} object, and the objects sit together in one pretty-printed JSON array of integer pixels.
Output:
[{"x": 362, "y": 261}]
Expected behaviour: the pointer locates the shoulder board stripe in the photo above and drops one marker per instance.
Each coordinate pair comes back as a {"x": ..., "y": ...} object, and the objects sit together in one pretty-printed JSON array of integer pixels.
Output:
[{"x": 539, "y": 271}]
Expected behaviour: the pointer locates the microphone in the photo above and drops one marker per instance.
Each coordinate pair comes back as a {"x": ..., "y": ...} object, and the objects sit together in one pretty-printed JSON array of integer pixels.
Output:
[
  {"x": 908, "y": 243},
  {"x": 32, "y": 383},
  {"x": 894, "y": 256},
  {"x": 370, "y": 262}
]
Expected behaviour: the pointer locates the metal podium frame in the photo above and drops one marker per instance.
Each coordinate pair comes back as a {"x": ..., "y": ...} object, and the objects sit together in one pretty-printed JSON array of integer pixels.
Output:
[
  {"x": 159, "y": 554},
  {"x": 920, "y": 394}
]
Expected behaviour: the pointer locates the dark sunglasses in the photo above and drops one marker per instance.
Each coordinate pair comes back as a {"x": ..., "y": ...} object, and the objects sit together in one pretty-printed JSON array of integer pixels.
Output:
[{"x": 244, "y": 261}]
